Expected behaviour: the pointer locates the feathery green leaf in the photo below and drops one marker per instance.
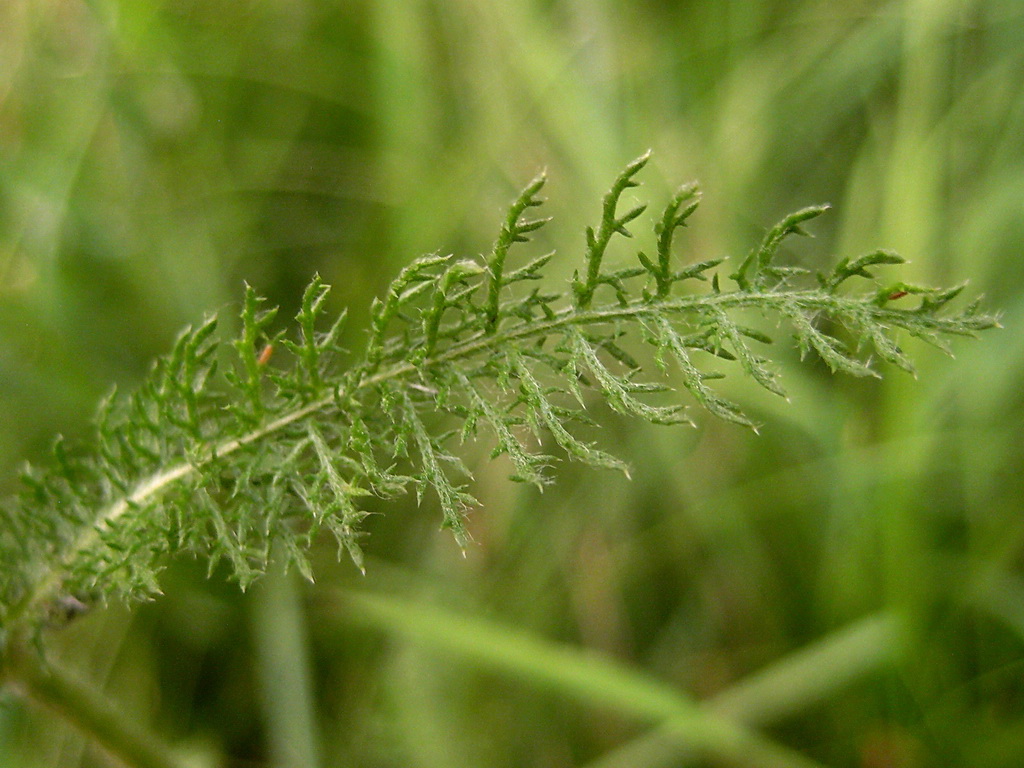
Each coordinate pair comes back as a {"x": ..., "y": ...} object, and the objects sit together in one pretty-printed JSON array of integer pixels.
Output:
[{"x": 295, "y": 431}]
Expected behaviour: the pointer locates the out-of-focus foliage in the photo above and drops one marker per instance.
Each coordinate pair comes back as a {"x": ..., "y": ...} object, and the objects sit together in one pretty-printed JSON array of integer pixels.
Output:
[{"x": 153, "y": 155}]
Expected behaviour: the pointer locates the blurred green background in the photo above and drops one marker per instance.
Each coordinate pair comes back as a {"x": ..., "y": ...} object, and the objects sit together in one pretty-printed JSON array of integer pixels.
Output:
[{"x": 863, "y": 554}]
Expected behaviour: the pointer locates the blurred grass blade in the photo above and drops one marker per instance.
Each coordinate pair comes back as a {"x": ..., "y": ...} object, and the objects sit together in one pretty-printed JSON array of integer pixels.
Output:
[
  {"x": 813, "y": 674},
  {"x": 565, "y": 670},
  {"x": 799, "y": 680},
  {"x": 282, "y": 650}
]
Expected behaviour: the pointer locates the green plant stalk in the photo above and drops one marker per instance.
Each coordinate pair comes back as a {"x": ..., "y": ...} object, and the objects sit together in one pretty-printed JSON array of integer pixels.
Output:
[
  {"x": 585, "y": 676},
  {"x": 91, "y": 713}
]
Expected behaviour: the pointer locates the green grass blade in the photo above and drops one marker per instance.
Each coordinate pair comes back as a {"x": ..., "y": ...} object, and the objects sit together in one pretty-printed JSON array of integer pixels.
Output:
[{"x": 564, "y": 670}]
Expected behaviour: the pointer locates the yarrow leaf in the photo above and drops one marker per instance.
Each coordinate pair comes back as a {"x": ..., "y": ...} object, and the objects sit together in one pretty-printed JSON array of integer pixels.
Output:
[{"x": 290, "y": 437}]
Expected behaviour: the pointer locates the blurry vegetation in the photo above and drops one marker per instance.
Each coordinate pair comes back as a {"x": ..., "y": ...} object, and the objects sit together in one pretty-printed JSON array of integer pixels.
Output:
[{"x": 847, "y": 584}]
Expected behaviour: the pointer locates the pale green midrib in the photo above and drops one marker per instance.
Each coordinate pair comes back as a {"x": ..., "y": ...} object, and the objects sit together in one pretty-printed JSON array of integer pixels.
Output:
[{"x": 569, "y": 316}]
